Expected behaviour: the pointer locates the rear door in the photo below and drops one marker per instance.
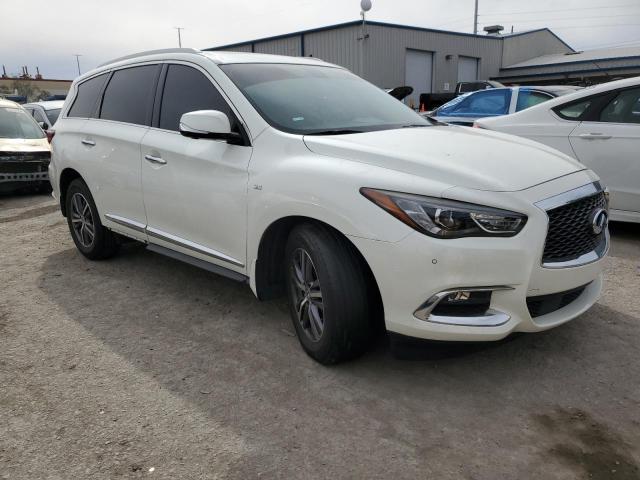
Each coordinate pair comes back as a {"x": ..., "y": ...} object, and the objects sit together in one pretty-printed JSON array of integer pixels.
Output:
[
  {"x": 112, "y": 143},
  {"x": 195, "y": 190},
  {"x": 609, "y": 143}
]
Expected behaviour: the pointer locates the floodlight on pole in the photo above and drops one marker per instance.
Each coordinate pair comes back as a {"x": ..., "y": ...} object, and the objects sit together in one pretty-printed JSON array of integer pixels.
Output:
[{"x": 365, "y": 6}]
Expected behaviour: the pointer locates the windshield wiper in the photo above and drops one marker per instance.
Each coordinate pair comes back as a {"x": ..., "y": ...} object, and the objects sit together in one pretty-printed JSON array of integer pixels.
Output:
[{"x": 335, "y": 132}]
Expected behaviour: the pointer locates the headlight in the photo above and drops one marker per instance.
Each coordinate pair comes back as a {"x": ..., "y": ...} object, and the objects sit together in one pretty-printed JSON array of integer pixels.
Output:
[{"x": 442, "y": 218}]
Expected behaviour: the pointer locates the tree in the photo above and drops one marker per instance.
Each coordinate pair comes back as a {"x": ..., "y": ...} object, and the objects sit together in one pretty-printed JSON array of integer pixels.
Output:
[{"x": 26, "y": 88}]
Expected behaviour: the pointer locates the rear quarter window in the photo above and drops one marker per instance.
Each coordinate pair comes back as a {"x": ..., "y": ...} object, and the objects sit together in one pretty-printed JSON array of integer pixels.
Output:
[{"x": 86, "y": 100}]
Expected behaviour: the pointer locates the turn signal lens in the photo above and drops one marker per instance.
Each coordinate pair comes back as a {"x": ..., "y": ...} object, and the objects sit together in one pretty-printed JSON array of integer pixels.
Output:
[{"x": 441, "y": 218}]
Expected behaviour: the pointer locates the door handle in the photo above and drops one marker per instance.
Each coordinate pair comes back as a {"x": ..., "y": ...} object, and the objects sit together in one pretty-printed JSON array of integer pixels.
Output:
[
  {"x": 595, "y": 136},
  {"x": 156, "y": 160},
  {"x": 89, "y": 143}
]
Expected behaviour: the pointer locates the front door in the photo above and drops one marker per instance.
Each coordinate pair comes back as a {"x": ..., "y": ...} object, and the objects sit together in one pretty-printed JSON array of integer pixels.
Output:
[
  {"x": 609, "y": 145},
  {"x": 195, "y": 190}
]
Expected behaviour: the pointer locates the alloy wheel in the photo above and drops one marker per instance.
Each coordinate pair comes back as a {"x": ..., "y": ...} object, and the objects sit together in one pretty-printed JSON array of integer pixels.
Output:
[
  {"x": 307, "y": 295},
  {"x": 82, "y": 220}
]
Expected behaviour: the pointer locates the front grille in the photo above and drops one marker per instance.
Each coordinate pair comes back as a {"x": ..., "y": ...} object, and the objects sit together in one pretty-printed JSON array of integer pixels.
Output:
[
  {"x": 24, "y": 162},
  {"x": 545, "y": 304},
  {"x": 570, "y": 232}
]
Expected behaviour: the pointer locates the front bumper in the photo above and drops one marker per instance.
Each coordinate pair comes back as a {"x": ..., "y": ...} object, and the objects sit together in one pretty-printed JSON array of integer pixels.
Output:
[
  {"x": 23, "y": 168},
  {"x": 413, "y": 272}
]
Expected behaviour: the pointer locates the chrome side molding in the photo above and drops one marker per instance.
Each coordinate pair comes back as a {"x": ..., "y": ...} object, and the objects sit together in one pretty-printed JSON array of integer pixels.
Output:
[
  {"x": 167, "y": 237},
  {"x": 492, "y": 318}
]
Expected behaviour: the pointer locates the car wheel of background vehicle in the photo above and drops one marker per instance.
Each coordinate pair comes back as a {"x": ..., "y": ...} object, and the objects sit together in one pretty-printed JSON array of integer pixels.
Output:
[
  {"x": 92, "y": 239},
  {"x": 328, "y": 295}
]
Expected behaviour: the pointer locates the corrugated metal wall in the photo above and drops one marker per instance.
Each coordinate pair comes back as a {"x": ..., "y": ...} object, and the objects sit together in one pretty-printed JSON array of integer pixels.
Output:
[
  {"x": 530, "y": 45},
  {"x": 381, "y": 57}
]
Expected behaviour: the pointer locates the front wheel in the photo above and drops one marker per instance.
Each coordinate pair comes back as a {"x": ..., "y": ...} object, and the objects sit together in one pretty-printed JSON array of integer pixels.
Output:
[{"x": 328, "y": 294}]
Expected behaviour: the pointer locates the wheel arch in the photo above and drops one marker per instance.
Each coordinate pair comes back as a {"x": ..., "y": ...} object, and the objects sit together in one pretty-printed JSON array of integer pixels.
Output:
[
  {"x": 67, "y": 176},
  {"x": 270, "y": 270}
]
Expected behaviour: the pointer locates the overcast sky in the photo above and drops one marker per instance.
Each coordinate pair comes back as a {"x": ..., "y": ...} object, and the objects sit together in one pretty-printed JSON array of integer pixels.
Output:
[{"x": 47, "y": 34}]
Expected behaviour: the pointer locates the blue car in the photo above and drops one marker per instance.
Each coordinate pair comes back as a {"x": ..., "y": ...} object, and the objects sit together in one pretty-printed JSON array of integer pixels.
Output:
[{"x": 494, "y": 102}]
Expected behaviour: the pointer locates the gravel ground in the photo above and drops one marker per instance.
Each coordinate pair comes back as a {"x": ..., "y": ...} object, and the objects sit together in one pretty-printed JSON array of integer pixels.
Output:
[{"x": 144, "y": 367}]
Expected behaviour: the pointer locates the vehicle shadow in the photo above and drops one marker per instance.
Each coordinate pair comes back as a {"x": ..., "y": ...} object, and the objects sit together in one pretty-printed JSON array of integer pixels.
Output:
[{"x": 207, "y": 339}]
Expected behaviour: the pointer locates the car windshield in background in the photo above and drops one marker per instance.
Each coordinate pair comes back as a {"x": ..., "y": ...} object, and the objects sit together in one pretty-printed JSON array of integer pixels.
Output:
[
  {"x": 308, "y": 99},
  {"x": 53, "y": 115},
  {"x": 16, "y": 123}
]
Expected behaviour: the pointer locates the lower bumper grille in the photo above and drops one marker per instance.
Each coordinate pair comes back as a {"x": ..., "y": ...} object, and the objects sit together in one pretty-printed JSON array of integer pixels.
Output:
[{"x": 544, "y": 304}]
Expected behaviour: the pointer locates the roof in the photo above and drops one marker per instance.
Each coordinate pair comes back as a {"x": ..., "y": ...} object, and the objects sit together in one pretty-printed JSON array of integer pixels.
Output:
[
  {"x": 243, "y": 57},
  {"x": 351, "y": 24},
  {"x": 48, "y": 104},
  {"x": 8, "y": 103},
  {"x": 587, "y": 56}
]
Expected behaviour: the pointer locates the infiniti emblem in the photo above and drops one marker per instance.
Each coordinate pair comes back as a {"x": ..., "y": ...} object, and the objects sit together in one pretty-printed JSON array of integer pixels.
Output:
[{"x": 599, "y": 220}]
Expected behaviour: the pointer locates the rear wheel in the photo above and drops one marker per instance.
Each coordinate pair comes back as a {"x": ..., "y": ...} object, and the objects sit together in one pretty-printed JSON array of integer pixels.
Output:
[
  {"x": 92, "y": 239},
  {"x": 328, "y": 294}
]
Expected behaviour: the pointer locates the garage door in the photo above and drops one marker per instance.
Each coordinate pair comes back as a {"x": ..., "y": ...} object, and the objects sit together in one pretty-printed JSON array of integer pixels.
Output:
[
  {"x": 467, "y": 69},
  {"x": 418, "y": 71}
]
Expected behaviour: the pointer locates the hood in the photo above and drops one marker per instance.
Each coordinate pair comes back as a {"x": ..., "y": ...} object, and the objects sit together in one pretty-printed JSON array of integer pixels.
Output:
[
  {"x": 457, "y": 156},
  {"x": 24, "y": 145}
]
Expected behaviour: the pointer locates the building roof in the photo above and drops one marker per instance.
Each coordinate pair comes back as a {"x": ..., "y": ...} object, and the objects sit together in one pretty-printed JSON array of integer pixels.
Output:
[
  {"x": 587, "y": 56},
  {"x": 355, "y": 23}
]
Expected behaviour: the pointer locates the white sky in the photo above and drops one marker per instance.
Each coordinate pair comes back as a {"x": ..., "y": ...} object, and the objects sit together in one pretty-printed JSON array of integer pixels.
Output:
[{"x": 48, "y": 33}]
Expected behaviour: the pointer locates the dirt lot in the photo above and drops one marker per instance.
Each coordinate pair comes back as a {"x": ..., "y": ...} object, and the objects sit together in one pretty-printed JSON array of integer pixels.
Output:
[{"x": 144, "y": 367}]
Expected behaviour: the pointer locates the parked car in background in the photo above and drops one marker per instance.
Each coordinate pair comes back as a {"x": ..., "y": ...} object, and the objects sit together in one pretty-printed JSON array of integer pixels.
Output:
[
  {"x": 46, "y": 113},
  {"x": 24, "y": 150},
  {"x": 467, "y": 108},
  {"x": 302, "y": 179},
  {"x": 431, "y": 101},
  {"x": 600, "y": 127}
]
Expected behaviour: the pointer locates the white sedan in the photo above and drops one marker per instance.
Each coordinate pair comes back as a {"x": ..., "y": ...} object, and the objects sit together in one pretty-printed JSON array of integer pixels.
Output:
[{"x": 600, "y": 127}]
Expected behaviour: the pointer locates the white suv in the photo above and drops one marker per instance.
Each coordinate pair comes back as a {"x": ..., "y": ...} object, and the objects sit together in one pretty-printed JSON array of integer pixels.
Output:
[{"x": 298, "y": 177}]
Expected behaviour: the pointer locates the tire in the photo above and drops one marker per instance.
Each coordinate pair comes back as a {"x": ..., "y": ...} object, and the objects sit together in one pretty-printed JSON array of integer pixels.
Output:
[
  {"x": 334, "y": 322},
  {"x": 103, "y": 243}
]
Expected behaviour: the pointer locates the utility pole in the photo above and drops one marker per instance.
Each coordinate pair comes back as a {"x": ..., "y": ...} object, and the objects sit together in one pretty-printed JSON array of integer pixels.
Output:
[
  {"x": 77, "y": 55},
  {"x": 475, "y": 19},
  {"x": 179, "y": 37}
]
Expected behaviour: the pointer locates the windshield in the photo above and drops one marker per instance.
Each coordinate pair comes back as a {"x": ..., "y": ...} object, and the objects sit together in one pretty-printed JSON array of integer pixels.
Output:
[
  {"x": 15, "y": 122},
  {"x": 308, "y": 99},
  {"x": 53, "y": 115}
]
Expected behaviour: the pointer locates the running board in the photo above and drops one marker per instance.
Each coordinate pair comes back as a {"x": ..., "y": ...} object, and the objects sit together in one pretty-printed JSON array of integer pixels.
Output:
[{"x": 196, "y": 262}]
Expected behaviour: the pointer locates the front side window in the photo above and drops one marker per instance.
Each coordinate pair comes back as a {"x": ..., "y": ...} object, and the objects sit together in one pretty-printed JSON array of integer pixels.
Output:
[
  {"x": 17, "y": 123},
  {"x": 529, "y": 98},
  {"x": 187, "y": 90},
  {"x": 129, "y": 95},
  {"x": 625, "y": 108},
  {"x": 481, "y": 103},
  {"x": 314, "y": 99},
  {"x": 86, "y": 100}
]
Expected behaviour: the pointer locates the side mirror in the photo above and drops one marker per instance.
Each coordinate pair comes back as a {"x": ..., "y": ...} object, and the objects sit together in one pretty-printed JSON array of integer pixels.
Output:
[
  {"x": 43, "y": 125},
  {"x": 211, "y": 124}
]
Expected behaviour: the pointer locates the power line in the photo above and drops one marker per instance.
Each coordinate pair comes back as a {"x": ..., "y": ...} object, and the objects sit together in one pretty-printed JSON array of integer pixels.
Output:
[
  {"x": 564, "y": 19},
  {"x": 560, "y": 10},
  {"x": 617, "y": 44}
]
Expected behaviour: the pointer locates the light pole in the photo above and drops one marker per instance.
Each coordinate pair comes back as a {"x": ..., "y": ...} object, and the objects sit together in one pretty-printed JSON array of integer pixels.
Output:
[
  {"x": 475, "y": 19},
  {"x": 179, "y": 36},
  {"x": 78, "y": 55},
  {"x": 365, "y": 6}
]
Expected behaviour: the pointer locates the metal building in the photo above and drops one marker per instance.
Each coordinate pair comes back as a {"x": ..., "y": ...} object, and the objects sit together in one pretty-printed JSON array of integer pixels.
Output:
[{"x": 389, "y": 55}]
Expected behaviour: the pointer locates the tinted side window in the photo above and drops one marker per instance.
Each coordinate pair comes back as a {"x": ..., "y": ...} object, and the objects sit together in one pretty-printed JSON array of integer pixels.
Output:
[
  {"x": 85, "y": 103},
  {"x": 625, "y": 108},
  {"x": 527, "y": 98},
  {"x": 129, "y": 95},
  {"x": 186, "y": 90}
]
